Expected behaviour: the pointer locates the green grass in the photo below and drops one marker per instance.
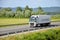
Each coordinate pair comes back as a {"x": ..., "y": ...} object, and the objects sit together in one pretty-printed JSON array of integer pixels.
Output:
[
  {"x": 54, "y": 20},
  {"x": 48, "y": 34},
  {"x": 13, "y": 21}
]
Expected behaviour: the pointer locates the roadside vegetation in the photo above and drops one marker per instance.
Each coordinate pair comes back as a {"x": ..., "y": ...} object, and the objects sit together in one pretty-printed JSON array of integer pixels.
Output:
[
  {"x": 13, "y": 21},
  {"x": 55, "y": 18},
  {"x": 21, "y": 16},
  {"x": 48, "y": 34}
]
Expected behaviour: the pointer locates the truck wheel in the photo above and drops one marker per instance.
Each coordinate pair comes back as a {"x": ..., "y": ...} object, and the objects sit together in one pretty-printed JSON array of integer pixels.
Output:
[
  {"x": 41, "y": 25},
  {"x": 47, "y": 24}
]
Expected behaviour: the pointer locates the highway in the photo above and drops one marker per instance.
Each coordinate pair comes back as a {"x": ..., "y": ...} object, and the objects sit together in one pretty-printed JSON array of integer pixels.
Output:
[{"x": 23, "y": 28}]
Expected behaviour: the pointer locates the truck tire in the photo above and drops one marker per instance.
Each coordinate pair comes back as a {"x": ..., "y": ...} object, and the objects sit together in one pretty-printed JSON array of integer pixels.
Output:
[
  {"x": 47, "y": 24},
  {"x": 41, "y": 25}
]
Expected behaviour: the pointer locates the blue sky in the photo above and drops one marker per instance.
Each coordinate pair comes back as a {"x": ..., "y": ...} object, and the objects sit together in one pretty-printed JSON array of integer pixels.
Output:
[{"x": 30, "y": 3}]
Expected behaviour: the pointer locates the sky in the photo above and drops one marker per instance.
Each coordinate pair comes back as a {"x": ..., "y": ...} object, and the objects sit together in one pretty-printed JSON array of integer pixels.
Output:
[{"x": 30, "y": 3}]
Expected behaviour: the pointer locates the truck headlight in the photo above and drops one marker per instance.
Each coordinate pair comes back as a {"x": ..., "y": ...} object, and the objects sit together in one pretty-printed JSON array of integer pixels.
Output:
[{"x": 32, "y": 24}]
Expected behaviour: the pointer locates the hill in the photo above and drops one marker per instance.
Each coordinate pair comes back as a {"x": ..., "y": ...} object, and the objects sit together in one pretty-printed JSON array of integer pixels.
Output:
[{"x": 49, "y": 9}]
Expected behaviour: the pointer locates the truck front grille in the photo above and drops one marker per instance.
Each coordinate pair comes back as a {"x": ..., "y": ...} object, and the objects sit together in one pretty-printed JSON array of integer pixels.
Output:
[{"x": 31, "y": 23}]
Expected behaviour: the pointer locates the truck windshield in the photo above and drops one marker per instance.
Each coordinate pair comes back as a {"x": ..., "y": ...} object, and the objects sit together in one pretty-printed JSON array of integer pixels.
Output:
[{"x": 33, "y": 19}]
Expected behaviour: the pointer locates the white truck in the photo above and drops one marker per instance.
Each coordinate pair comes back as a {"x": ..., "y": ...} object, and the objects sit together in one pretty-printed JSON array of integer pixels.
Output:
[{"x": 39, "y": 20}]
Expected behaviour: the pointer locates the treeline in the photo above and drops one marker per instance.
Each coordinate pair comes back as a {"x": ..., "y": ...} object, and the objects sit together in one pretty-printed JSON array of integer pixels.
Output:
[{"x": 20, "y": 13}]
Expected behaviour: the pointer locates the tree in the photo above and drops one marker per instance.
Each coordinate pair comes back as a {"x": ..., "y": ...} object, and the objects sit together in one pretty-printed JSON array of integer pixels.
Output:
[
  {"x": 7, "y": 9},
  {"x": 27, "y": 7},
  {"x": 27, "y": 11},
  {"x": 18, "y": 9},
  {"x": 40, "y": 11}
]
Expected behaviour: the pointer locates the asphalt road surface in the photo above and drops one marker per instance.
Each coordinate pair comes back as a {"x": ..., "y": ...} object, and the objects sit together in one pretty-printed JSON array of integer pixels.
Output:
[{"x": 22, "y": 28}]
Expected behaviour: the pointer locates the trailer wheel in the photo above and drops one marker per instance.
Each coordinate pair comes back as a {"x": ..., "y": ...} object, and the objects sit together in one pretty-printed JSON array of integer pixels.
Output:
[
  {"x": 47, "y": 24},
  {"x": 41, "y": 25}
]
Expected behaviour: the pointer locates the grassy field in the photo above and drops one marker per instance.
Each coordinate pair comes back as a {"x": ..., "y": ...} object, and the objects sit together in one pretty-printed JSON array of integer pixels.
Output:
[
  {"x": 13, "y": 21},
  {"x": 49, "y": 34},
  {"x": 55, "y": 20},
  {"x": 16, "y": 21}
]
